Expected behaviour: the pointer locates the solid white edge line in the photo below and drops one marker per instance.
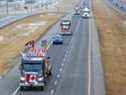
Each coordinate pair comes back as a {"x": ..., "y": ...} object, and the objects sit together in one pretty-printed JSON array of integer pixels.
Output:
[
  {"x": 67, "y": 52},
  {"x": 66, "y": 55},
  {"x": 55, "y": 82},
  {"x": 68, "y": 48},
  {"x": 89, "y": 60},
  {"x": 15, "y": 92},
  {"x": 64, "y": 59}
]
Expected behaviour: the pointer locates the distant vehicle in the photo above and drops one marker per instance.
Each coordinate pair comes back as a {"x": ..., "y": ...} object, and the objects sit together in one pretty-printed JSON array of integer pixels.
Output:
[
  {"x": 65, "y": 27},
  {"x": 77, "y": 10},
  {"x": 85, "y": 15},
  {"x": 57, "y": 39},
  {"x": 34, "y": 71},
  {"x": 86, "y": 9}
]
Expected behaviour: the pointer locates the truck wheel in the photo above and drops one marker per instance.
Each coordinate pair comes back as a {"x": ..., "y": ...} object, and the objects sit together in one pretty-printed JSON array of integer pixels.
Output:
[
  {"x": 21, "y": 88},
  {"x": 41, "y": 88},
  {"x": 50, "y": 73}
]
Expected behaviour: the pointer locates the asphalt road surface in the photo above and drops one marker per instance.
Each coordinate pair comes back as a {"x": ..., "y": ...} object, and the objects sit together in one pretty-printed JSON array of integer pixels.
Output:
[{"x": 71, "y": 64}]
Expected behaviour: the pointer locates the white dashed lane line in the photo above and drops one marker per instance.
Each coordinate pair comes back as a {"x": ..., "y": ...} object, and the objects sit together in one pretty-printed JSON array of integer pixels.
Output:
[
  {"x": 55, "y": 82},
  {"x": 66, "y": 55},
  {"x": 52, "y": 91},
  {"x": 64, "y": 59},
  {"x": 60, "y": 69},
  {"x": 62, "y": 64},
  {"x": 58, "y": 76}
]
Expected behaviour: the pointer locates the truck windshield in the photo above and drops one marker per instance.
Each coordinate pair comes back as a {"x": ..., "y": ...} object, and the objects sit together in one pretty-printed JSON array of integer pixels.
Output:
[{"x": 32, "y": 68}]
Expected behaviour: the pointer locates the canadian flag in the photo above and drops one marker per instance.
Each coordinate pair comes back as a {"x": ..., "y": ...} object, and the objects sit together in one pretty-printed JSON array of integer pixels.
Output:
[
  {"x": 41, "y": 52},
  {"x": 32, "y": 78}
]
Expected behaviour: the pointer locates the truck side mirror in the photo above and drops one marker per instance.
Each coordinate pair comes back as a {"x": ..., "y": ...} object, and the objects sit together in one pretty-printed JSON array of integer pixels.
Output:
[{"x": 48, "y": 57}]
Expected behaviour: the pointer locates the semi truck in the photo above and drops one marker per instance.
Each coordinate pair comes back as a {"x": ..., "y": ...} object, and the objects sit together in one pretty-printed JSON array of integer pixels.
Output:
[
  {"x": 65, "y": 27},
  {"x": 77, "y": 10},
  {"x": 34, "y": 72},
  {"x": 35, "y": 69}
]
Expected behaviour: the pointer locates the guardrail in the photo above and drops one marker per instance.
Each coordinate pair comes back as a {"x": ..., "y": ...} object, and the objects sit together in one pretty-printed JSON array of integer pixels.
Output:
[{"x": 119, "y": 4}]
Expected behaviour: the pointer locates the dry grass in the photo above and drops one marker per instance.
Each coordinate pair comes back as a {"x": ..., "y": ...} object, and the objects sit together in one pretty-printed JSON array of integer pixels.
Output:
[
  {"x": 13, "y": 42},
  {"x": 113, "y": 47}
]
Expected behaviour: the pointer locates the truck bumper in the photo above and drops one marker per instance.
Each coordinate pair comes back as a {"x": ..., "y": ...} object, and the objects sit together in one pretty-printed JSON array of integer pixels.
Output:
[
  {"x": 31, "y": 85},
  {"x": 65, "y": 33}
]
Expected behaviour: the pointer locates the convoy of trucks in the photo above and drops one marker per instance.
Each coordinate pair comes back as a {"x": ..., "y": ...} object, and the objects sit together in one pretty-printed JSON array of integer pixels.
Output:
[{"x": 35, "y": 68}]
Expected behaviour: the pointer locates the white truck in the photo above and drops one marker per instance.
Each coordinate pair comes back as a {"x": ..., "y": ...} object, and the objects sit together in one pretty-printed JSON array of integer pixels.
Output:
[
  {"x": 77, "y": 10},
  {"x": 65, "y": 27},
  {"x": 85, "y": 13}
]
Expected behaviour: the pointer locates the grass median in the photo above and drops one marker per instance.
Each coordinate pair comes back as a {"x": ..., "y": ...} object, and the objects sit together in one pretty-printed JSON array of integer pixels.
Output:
[{"x": 14, "y": 36}]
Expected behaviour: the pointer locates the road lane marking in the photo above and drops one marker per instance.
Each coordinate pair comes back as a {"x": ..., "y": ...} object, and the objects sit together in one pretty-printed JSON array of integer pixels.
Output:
[
  {"x": 64, "y": 59},
  {"x": 58, "y": 76},
  {"x": 68, "y": 48},
  {"x": 67, "y": 52},
  {"x": 15, "y": 92},
  {"x": 55, "y": 83},
  {"x": 89, "y": 61},
  {"x": 60, "y": 69},
  {"x": 66, "y": 55},
  {"x": 52, "y": 91},
  {"x": 62, "y": 64},
  {"x": 1, "y": 77}
]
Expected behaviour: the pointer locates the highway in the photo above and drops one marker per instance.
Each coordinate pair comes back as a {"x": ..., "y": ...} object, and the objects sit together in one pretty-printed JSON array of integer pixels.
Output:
[
  {"x": 72, "y": 69},
  {"x": 69, "y": 56},
  {"x": 70, "y": 75}
]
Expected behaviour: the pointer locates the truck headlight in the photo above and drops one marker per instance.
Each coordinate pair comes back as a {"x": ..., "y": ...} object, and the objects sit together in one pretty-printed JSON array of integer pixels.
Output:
[
  {"x": 40, "y": 79},
  {"x": 22, "y": 79}
]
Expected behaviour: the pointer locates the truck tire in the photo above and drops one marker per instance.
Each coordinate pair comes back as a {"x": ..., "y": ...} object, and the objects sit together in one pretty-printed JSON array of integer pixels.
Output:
[
  {"x": 50, "y": 73},
  {"x": 21, "y": 88},
  {"x": 41, "y": 88}
]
